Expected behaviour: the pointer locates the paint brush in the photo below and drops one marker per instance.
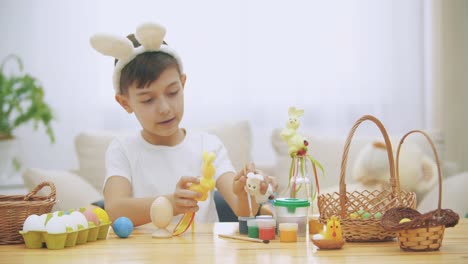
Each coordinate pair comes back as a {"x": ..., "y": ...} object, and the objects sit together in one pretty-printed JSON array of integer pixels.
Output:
[
  {"x": 249, "y": 198},
  {"x": 244, "y": 238}
]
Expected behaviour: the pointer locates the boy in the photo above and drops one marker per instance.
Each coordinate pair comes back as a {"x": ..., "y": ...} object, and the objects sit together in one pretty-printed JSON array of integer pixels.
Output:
[{"x": 163, "y": 159}]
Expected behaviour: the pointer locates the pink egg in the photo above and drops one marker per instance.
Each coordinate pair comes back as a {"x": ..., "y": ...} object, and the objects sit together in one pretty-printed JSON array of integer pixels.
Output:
[{"x": 91, "y": 217}]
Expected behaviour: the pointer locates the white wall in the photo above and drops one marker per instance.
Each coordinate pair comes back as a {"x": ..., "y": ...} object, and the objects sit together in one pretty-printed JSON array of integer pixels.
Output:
[
  {"x": 451, "y": 80},
  {"x": 244, "y": 60}
]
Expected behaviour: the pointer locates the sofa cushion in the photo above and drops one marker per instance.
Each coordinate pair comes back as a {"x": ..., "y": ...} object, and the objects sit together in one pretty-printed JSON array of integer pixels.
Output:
[
  {"x": 72, "y": 191},
  {"x": 453, "y": 193},
  {"x": 91, "y": 147}
]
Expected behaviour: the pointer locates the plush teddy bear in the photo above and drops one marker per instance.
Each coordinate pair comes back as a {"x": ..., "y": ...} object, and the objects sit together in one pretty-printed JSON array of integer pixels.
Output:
[{"x": 417, "y": 170}]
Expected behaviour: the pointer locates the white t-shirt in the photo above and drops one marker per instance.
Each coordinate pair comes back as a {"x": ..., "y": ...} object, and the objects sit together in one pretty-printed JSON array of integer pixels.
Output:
[{"x": 154, "y": 170}]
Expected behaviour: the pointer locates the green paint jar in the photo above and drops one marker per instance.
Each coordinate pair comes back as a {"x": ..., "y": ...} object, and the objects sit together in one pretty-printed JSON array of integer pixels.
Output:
[{"x": 252, "y": 227}]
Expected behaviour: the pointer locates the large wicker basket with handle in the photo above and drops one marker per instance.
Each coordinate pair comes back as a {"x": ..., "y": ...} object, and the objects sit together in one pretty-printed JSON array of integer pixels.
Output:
[
  {"x": 424, "y": 232},
  {"x": 14, "y": 209},
  {"x": 361, "y": 212}
]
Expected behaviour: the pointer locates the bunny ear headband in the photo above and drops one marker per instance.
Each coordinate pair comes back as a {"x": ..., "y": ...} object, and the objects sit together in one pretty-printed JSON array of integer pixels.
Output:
[{"x": 150, "y": 36}]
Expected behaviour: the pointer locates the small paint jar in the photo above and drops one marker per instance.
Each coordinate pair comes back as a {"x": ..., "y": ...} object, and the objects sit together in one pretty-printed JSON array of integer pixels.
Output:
[
  {"x": 243, "y": 229},
  {"x": 264, "y": 217},
  {"x": 288, "y": 232},
  {"x": 252, "y": 228},
  {"x": 266, "y": 229},
  {"x": 293, "y": 210},
  {"x": 315, "y": 227}
]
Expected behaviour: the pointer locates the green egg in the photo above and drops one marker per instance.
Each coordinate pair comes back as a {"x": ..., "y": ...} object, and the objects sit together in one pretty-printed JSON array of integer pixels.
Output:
[
  {"x": 378, "y": 215},
  {"x": 366, "y": 215}
]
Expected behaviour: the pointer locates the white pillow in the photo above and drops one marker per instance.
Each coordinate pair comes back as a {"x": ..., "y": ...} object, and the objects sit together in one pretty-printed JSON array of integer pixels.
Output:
[
  {"x": 453, "y": 195},
  {"x": 237, "y": 138},
  {"x": 91, "y": 147},
  {"x": 71, "y": 191}
]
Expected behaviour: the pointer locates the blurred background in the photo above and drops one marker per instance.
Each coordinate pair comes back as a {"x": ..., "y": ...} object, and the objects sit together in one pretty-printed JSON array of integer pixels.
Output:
[{"x": 403, "y": 61}]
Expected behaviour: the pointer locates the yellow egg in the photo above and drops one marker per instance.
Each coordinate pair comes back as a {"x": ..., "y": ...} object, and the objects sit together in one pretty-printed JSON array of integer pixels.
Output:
[
  {"x": 353, "y": 215},
  {"x": 405, "y": 220},
  {"x": 101, "y": 214}
]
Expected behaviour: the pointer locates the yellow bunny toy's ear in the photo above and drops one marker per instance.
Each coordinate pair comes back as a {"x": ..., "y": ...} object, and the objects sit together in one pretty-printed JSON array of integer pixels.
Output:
[
  {"x": 294, "y": 112},
  {"x": 208, "y": 157},
  {"x": 211, "y": 157}
]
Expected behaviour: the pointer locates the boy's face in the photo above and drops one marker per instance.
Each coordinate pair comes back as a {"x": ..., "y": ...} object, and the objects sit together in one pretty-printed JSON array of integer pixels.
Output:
[{"x": 159, "y": 107}]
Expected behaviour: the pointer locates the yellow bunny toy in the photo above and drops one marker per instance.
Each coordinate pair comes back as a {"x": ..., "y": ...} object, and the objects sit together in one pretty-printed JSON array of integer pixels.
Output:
[{"x": 207, "y": 183}]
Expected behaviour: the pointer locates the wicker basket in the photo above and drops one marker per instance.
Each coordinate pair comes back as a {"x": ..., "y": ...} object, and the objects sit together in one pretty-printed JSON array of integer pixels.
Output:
[
  {"x": 374, "y": 203},
  {"x": 14, "y": 209},
  {"x": 424, "y": 232}
]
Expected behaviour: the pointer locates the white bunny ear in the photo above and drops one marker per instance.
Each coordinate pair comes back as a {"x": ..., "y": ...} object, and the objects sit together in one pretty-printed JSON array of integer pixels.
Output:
[
  {"x": 117, "y": 47},
  {"x": 150, "y": 35}
]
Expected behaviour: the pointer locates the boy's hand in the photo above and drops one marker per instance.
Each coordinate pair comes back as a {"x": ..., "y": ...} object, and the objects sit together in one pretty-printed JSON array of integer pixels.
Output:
[
  {"x": 184, "y": 199},
  {"x": 241, "y": 178}
]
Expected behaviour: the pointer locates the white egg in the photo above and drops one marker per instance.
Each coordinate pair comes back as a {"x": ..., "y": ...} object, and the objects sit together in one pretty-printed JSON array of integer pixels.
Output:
[
  {"x": 33, "y": 223},
  {"x": 69, "y": 222},
  {"x": 57, "y": 213},
  {"x": 79, "y": 219},
  {"x": 161, "y": 212},
  {"x": 43, "y": 218},
  {"x": 56, "y": 225}
]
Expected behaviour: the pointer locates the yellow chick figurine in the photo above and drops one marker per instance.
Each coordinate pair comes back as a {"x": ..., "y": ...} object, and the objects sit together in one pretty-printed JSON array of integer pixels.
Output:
[
  {"x": 207, "y": 183},
  {"x": 332, "y": 238},
  {"x": 333, "y": 229}
]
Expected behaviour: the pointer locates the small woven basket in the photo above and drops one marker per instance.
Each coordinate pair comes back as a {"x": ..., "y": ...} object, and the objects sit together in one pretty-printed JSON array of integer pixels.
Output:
[
  {"x": 424, "y": 232},
  {"x": 14, "y": 209},
  {"x": 374, "y": 203}
]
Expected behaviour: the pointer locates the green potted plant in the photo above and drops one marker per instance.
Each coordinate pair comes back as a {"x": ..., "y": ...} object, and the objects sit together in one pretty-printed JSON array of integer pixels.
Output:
[{"x": 21, "y": 102}]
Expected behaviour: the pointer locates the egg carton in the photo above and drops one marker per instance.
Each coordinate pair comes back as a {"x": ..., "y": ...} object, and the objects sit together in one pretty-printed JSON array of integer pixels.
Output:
[{"x": 40, "y": 239}]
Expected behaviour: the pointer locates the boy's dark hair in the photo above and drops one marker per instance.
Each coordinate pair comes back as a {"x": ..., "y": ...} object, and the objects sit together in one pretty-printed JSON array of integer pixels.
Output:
[{"x": 145, "y": 68}]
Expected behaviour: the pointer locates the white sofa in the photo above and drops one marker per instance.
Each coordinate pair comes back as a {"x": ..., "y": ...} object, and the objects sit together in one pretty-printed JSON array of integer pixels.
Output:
[{"x": 80, "y": 187}]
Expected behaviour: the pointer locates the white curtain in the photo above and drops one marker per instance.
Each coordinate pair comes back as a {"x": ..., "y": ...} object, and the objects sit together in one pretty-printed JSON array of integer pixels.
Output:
[{"x": 245, "y": 59}]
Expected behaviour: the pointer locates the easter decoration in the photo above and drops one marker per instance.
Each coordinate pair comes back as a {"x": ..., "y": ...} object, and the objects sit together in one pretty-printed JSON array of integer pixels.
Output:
[
  {"x": 15, "y": 209},
  {"x": 62, "y": 229},
  {"x": 416, "y": 231},
  {"x": 122, "y": 227},
  {"x": 207, "y": 184},
  {"x": 332, "y": 238},
  {"x": 252, "y": 187},
  {"x": 300, "y": 185},
  {"x": 161, "y": 214},
  {"x": 360, "y": 212}
]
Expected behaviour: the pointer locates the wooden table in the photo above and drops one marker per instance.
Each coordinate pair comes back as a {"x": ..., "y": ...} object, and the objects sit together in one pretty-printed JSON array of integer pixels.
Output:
[{"x": 204, "y": 246}]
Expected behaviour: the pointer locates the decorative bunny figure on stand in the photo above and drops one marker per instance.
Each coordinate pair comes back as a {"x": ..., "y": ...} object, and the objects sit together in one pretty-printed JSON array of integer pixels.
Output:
[
  {"x": 296, "y": 143},
  {"x": 298, "y": 150}
]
